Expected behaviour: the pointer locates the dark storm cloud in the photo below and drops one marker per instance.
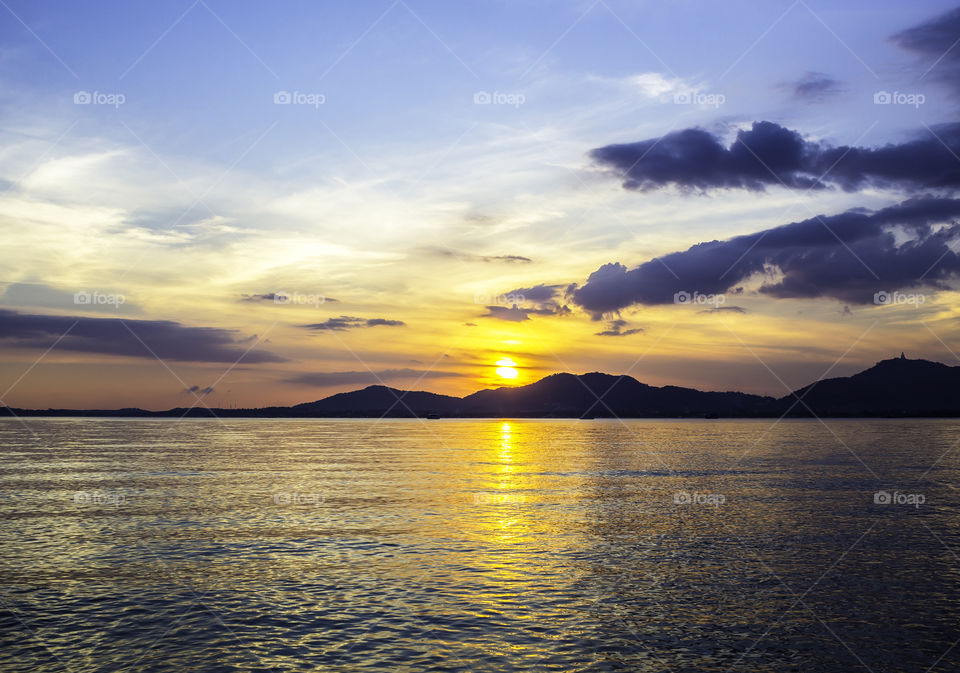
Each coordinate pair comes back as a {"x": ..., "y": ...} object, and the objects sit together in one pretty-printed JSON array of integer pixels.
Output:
[
  {"x": 769, "y": 155},
  {"x": 164, "y": 339},
  {"x": 815, "y": 86},
  {"x": 935, "y": 41},
  {"x": 834, "y": 256},
  {"x": 356, "y": 377},
  {"x": 616, "y": 328},
  {"x": 346, "y": 322}
]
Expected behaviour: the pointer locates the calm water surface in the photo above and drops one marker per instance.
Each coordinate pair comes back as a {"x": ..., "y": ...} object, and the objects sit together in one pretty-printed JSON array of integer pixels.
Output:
[{"x": 403, "y": 545}]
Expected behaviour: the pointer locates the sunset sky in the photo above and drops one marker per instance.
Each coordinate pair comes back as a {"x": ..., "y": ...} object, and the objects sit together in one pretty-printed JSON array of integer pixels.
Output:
[{"x": 245, "y": 203}]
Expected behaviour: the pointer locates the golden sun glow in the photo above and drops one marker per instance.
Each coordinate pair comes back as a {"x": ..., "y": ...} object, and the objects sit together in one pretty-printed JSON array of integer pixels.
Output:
[{"x": 506, "y": 369}]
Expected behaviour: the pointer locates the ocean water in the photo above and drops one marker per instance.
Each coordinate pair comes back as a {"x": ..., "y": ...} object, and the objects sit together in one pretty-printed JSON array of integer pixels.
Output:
[{"x": 489, "y": 545}]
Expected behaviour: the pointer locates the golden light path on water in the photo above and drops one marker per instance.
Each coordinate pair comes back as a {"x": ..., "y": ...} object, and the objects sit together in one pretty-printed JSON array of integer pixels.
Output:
[{"x": 511, "y": 526}]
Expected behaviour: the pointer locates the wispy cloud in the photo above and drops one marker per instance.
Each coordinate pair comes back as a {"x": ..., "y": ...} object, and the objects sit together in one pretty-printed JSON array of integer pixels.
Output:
[
  {"x": 346, "y": 322},
  {"x": 619, "y": 327}
]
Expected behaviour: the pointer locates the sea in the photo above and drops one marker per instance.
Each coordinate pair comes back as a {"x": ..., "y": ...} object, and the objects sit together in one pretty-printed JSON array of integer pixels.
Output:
[{"x": 479, "y": 545}]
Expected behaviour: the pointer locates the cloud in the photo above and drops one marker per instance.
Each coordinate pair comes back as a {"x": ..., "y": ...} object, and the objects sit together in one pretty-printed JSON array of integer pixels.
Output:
[
  {"x": 356, "y": 378},
  {"x": 517, "y": 313},
  {"x": 197, "y": 390},
  {"x": 770, "y": 155},
  {"x": 470, "y": 257},
  {"x": 815, "y": 87},
  {"x": 936, "y": 40},
  {"x": 538, "y": 294},
  {"x": 284, "y": 297},
  {"x": 164, "y": 339},
  {"x": 512, "y": 313},
  {"x": 346, "y": 322},
  {"x": 832, "y": 256},
  {"x": 724, "y": 309},
  {"x": 655, "y": 84},
  {"x": 39, "y": 295},
  {"x": 543, "y": 299},
  {"x": 616, "y": 328}
]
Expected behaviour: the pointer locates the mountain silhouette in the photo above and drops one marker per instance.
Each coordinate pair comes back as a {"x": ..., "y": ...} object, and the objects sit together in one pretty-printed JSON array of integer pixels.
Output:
[
  {"x": 603, "y": 395},
  {"x": 898, "y": 387},
  {"x": 378, "y": 400},
  {"x": 895, "y": 387}
]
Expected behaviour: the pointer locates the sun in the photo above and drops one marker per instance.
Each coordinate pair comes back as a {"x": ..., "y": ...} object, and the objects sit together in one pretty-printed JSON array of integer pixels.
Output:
[{"x": 506, "y": 369}]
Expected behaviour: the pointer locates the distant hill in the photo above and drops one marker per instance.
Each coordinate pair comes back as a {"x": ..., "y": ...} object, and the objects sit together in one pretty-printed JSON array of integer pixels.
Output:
[
  {"x": 377, "y": 400},
  {"x": 898, "y": 387},
  {"x": 595, "y": 394}
]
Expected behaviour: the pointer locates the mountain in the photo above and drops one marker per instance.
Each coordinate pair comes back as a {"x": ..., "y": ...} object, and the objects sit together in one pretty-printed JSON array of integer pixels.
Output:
[
  {"x": 600, "y": 395},
  {"x": 897, "y": 387},
  {"x": 378, "y": 400}
]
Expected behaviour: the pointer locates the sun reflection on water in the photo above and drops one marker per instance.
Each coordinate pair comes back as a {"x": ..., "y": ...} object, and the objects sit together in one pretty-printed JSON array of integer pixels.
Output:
[{"x": 509, "y": 523}]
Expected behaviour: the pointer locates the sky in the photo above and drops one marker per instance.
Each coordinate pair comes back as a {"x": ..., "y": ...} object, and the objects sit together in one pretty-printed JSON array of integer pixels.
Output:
[{"x": 235, "y": 204}]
